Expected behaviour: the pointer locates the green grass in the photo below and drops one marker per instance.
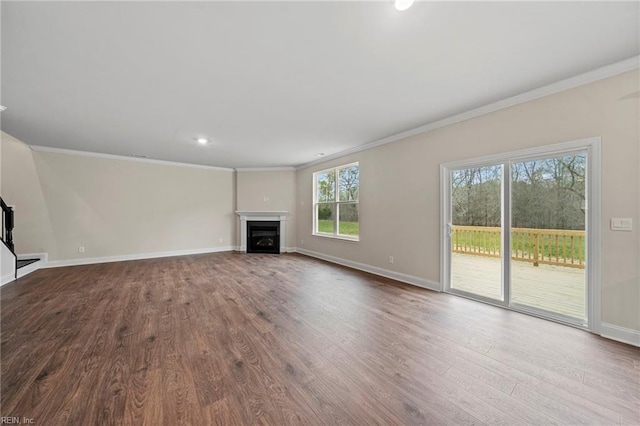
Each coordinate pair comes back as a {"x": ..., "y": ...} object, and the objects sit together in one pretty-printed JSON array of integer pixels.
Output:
[{"x": 346, "y": 228}]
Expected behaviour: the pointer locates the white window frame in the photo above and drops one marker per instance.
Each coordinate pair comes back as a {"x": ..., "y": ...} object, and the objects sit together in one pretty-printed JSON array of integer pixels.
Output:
[{"x": 336, "y": 203}]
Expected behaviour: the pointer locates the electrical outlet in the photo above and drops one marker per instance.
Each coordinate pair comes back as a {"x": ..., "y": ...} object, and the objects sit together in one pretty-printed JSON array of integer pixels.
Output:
[
  {"x": 220, "y": 239},
  {"x": 81, "y": 249},
  {"x": 391, "y": 259},
  {"x": 301, "y": 242}
]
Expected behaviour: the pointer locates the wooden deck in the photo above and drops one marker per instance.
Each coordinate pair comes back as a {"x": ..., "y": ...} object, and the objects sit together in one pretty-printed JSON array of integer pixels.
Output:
[{"x": 552, "y": 288}]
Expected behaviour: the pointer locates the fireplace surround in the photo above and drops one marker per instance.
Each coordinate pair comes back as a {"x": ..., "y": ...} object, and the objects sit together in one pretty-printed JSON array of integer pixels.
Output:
[{"x": 279, "y": 217}]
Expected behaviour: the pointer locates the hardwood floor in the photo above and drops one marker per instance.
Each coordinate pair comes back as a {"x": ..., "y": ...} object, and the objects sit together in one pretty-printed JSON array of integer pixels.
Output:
[{"x": 232, "y": 339}]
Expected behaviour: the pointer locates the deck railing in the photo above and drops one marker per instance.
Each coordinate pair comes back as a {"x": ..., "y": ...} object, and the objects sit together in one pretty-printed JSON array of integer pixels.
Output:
[{"x": 547, "y": 246}]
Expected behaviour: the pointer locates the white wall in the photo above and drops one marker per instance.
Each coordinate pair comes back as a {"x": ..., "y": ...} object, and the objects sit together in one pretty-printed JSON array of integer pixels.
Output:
[
  {"x": 268, "y": 191},
  {"x": 7, "y": 265},
  {"x": 400, "y": 185},
  {"x": 113, "y": 207}
]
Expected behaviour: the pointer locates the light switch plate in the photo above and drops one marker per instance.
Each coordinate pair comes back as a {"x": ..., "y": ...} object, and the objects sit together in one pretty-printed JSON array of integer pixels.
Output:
[{"x": 621, "y": 224}]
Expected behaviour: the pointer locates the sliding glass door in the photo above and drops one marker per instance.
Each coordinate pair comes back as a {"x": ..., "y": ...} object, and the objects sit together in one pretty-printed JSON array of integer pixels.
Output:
[
  {"x": 476, "y": 231},
  {"x": 548, "y": 218},
  {"x": 516, "y": 231}
]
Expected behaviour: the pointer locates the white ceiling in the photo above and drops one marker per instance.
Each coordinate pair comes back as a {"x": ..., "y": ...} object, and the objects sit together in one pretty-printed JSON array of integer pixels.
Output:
[{"x": 275, "y": 83}]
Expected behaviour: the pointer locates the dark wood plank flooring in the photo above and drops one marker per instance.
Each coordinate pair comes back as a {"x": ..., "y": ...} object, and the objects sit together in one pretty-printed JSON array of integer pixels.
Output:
[{"x": 231, "y": 339}]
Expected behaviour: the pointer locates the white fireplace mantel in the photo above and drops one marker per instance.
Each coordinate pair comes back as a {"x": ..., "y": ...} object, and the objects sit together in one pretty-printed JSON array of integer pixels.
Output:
[{"x": 262, "y": 216}]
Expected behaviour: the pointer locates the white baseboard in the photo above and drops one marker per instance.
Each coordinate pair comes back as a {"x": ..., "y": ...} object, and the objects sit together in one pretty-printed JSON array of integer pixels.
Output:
[
  {"x": 620, "y": 334},
  {"x": 121, "y": 258},
  {"x": 139, "y": 256},
  {"x": 26, "y": 270},
  {"x": 6, "y": 279},
  {"x": 398, "y": 276}
]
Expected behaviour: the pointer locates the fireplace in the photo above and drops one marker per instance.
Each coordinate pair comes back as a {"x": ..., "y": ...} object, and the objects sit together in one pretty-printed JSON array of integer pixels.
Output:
[
  {"x": 272, "y": 218},
  {"x": 263, "y": 236}
]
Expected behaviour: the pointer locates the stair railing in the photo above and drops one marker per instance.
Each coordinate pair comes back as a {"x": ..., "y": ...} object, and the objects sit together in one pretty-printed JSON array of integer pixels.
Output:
[{"x": 7, "y": 225}]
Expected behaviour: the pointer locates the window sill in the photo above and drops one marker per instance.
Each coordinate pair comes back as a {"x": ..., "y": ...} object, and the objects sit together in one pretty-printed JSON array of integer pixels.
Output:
[{"x": 337, "y": 237}]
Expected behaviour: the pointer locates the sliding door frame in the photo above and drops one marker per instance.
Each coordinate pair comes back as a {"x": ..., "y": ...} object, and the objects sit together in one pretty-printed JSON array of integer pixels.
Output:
[
  {"x": 447, "y": 216},
  {"x": 592, "y": 146}
]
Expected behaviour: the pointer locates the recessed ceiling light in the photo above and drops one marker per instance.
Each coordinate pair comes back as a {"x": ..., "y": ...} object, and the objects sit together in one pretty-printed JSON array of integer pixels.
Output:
[
  {"x": 403, "y": 4},
  {"x": 2, "y": 108},
  {"x": 202, "y": 141}
]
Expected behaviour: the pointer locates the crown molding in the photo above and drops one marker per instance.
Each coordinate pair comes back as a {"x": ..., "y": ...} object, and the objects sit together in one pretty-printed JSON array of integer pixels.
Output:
[
  {"x": 123, "y": 157},
  {"x": 560, "y": 86},
  {"x": 265, "y": 169}
]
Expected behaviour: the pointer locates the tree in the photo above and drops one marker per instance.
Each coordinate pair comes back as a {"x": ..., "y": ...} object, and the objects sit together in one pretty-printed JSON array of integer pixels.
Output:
[
  {"x": 348, "y": 188},
  {"x": 476, "y": 196},
  {"x": 545, "y": 194},
  {"x": 326, "y": 187},
  {"x": 349, "y": 182}
]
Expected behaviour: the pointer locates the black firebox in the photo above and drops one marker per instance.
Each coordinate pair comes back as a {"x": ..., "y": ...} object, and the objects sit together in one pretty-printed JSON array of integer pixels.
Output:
[{"x": 263, "y": 237}]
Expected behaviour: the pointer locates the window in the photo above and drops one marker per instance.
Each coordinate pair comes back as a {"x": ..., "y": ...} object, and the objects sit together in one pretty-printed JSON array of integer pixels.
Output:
[{"x": 335, "y": 202}]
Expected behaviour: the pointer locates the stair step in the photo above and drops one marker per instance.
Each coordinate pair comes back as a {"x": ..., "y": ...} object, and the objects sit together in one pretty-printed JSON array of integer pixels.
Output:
[{"x": 25, "y": 262}]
